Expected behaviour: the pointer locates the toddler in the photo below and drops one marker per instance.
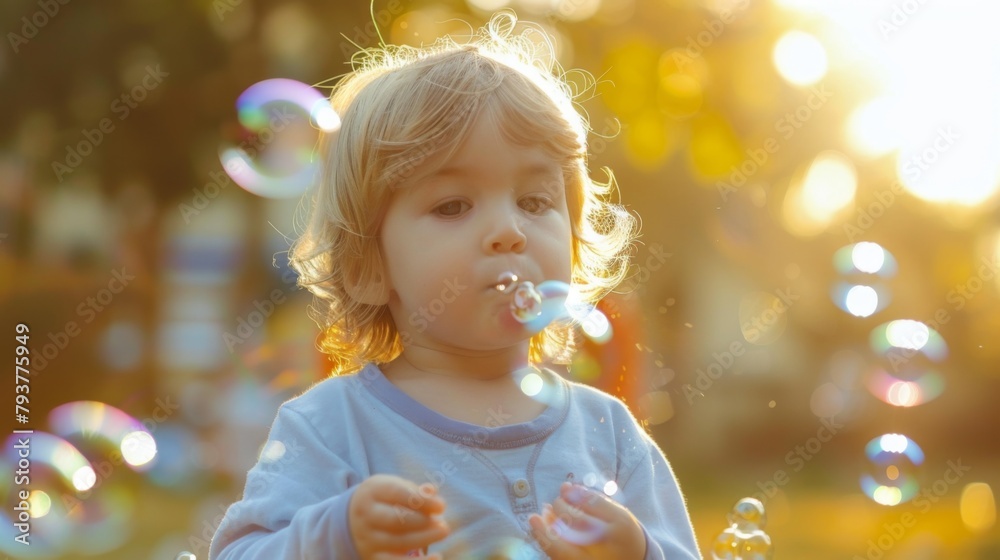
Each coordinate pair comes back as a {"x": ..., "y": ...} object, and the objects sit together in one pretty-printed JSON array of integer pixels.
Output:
[{"x": 457, "y": 168}]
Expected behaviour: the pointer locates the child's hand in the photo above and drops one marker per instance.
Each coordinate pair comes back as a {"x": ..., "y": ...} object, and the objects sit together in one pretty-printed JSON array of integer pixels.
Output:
[
  {"x": 389, "y": 516},
  {"x": 582, "y": 524}
]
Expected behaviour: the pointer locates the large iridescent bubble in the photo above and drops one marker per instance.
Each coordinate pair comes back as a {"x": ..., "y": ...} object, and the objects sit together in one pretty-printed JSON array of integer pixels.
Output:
[{"x": 300, "y": 171}]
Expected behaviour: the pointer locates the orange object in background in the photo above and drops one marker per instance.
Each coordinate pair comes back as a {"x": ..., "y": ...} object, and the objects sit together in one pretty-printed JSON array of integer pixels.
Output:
[{"x": 617, "y": 366}]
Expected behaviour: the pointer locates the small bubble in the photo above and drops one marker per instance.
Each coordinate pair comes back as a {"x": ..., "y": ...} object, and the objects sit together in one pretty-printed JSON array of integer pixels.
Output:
[
  {"x": 527, "y": 303},
  {"x": 505, "y": 280},
  {"x": 186, "y": 556},
  {"x": 772, "y": 404},
  {"x": 893, "y": 465}
]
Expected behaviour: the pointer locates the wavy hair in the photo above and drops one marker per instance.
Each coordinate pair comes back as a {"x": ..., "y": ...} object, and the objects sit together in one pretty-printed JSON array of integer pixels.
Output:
[{"x": 401, "y": 106}]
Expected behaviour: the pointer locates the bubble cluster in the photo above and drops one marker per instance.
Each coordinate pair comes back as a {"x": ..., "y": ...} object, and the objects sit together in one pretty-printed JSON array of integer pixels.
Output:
[
  {"x": 745, "y": 538},
  {"x": 537, "y": 306}
]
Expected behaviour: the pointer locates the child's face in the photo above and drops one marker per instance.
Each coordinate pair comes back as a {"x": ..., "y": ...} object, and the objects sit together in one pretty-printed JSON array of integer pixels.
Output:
[{"x": 447, "y": 236}]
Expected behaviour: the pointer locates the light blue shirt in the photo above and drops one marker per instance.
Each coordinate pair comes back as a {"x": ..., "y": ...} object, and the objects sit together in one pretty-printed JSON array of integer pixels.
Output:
[{"x": 344, "y": 429}]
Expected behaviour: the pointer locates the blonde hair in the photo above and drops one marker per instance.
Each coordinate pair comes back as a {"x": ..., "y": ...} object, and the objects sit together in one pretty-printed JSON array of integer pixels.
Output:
[{"x": 401, "y": 106}]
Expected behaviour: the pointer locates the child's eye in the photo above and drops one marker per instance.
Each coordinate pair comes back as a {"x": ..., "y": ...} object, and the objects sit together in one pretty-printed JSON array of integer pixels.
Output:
[
  {"x": 536, "y": 204},
  {"x": 450, "y": 209}
]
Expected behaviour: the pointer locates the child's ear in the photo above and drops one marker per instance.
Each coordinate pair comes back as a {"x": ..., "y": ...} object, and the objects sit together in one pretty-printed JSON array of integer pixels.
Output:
[{"x": 371, "y": 292}]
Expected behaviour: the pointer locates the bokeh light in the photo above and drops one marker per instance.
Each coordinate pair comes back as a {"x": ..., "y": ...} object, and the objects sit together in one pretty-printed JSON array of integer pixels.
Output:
[
  {"x": 39, "y": 503},
  {"x": 873, "y": 128},
  {"x": 827, "y": 401},
  {"x": 861, "y": 301},
  {"x": 918, "y": 388},
  {"x": 656, "y": 407},
  {"x": 763, "y": 317},
  {"x": 800, "y": 58},
  {"x": 868, "y": 257},
  {"x": 532, "y": 384},
  {"x": 863, "y": 265},
  {"x": 902, "y": 339},
  {"x": 865, "y": 258},
  {"x": 825, "y": 193},
  {"x": 138, "y": 448},
  {"x": 892, "y": 474},
  {"x": 978, "y": 507},
  {"x": 596, "y": 326},
  {"x": 84, "y": 478}
]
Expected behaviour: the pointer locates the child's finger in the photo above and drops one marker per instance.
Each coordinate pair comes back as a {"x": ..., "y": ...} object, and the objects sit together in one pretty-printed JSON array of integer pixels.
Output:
[
  {"x": 402, "y": 492},
  {"x": 576, "y": 526},
  {"x": 589, "y": 501},
  {"x": 414, "y": 539},
  {"x": 550, "y": 541},
  {"x": 398, "y": 519}
]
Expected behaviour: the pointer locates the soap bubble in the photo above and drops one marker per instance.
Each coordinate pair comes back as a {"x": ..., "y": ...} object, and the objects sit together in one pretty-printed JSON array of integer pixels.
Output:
[
  {"x": 892, "y": 478},
  {"x": 527, "y": 303},
  {"x": 745, "y": 538},
  {"x": 724, "y": 547},
  {"x": 756, "y": 546},
  {"x": 748, "y": 515}
]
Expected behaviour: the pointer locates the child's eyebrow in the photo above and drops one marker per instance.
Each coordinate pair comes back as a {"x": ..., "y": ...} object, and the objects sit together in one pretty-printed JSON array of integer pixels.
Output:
[{"x": 526, "y": 170}]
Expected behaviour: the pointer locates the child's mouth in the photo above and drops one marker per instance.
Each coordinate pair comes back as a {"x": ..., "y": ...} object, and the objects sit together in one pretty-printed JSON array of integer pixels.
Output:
[
  {"x": 505, "y": 281},
  {"x": 527, "y": 302}
]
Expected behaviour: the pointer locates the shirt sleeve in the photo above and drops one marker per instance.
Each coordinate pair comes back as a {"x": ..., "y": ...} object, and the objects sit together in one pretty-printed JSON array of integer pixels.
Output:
[
  {"x": 295, "y": 501},
  {"x": 650, "y": 491}
]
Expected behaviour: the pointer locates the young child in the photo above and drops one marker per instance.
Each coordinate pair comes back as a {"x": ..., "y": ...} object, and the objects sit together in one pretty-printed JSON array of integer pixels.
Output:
[{"x": 439, "y": 436}]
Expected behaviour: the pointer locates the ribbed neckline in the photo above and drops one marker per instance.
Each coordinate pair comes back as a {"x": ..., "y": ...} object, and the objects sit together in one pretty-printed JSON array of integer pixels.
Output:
[{"x": 555, "y": 393}]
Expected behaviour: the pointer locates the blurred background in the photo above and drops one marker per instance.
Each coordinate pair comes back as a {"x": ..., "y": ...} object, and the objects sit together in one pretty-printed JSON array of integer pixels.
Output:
[{"x": 812, "y": 319}]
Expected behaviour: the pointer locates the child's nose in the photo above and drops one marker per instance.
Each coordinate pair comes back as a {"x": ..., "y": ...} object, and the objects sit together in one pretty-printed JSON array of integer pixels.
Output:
[{"x": 506, "y": 234}]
